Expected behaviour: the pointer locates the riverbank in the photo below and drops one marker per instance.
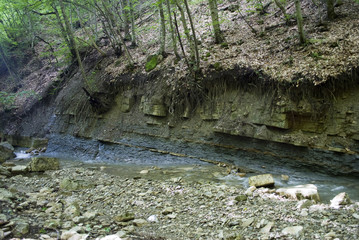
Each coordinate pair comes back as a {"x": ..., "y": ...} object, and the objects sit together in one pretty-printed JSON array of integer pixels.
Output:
[{"x": 95, "y": 204}]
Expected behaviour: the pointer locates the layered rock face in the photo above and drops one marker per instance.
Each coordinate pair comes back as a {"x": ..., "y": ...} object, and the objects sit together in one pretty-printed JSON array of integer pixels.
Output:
[{"x": 241, "y": 114}]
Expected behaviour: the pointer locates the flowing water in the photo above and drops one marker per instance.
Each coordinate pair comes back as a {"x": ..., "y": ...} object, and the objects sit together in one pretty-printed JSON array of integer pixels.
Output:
[{"x": 137, "y": 153}]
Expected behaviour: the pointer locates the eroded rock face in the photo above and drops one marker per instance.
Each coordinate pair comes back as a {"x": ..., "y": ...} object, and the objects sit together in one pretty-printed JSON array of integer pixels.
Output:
[
  {"x": 307, "y": 191},
  {"x": 40, "y": 164},
  {"x": 264, "y": 180},
  {"x": 6, "y": 151}
]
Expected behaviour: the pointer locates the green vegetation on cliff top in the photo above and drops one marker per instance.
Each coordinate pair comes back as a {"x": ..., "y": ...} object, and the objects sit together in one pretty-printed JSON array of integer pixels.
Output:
[{"x": 38, "y": 39}]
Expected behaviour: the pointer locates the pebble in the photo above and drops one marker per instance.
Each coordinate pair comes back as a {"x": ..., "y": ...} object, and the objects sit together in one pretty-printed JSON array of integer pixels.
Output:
[{"x": 114, "y": 207}]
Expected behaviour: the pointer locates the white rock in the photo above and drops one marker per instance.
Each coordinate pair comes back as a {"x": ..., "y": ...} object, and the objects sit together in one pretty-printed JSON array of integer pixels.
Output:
[
  {"x": 144, "y": 172},
  {"x": 264, "y": 180},
  {"x": 19, "y": 169},
  {"x": 78, "y": 236},
  {"x": 340, "y": 199},
  {"x": 295, "y": 230},
  {"x": 152, "y": 218},
  {"x": 307, "y": 191},
  {"x": 356, "y": 216},
  {"x": 250, "y": 190},
  {"x": 67, "y": 234}
]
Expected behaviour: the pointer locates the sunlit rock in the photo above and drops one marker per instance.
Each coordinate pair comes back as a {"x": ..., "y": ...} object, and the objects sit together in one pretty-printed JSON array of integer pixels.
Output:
[
  {"x": 307, "y": 191},
  {"x": 40, "y": 164},
  {"x": 264, "y": 180},
  {"x": 339, "y": 200}
]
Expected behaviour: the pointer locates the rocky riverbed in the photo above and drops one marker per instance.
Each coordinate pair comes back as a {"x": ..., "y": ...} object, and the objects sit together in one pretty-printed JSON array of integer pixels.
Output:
[{"x": 81, "y": 203}]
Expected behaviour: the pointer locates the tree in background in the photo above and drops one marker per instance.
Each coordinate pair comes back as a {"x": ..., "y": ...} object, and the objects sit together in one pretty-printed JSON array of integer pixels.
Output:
[
  {"x": 218, "y": 35},
  {"x": 302, "y": 38}
]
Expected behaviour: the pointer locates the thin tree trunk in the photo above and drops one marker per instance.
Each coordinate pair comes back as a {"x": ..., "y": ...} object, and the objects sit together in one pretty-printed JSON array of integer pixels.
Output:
[
  {"x": 132, "y": 15},
  {"x": 174, "y": 42},
  {"x": 126, "y": 21},
  {"x": 93, "y": 42},
  {"x": 215, "y": 21},
  {"x": 72, "y": 39},
  {"x": 162, "y": 50},
  {"x": 114, "y": 26},
  {"x": 330, "y": 9},
  {"x": 302, "y": 38},
  {"x": 194, "y": 35},
  {"x": 179, "y": 39},
  {"x": 186, "y": 31},
  {"x": 282, "y": 8}
]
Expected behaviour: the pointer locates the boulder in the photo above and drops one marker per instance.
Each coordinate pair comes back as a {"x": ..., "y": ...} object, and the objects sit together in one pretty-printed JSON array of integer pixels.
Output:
[
  {"x": 6, "y": 152},
  {"x": 264, "y": 180},
  {"x": 38, "y": 143},
  {"x": 41, "y": 164},
  {"x": 307, "y": 191},
  {"x": 339, "y": 200}
]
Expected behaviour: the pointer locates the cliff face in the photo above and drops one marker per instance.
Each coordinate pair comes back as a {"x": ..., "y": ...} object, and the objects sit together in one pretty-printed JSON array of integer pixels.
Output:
[{"x": 228, "y": 108}]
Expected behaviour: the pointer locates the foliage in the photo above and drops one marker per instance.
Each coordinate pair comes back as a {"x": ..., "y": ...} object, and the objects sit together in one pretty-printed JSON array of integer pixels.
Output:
[{"x": 8, "y": 100}]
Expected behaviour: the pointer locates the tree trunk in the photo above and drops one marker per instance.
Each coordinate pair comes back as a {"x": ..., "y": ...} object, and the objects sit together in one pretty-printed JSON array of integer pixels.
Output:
[
  {"x": 186, "y": 31},
  {"x": 174, "y": 42},
  {"x": 126, "y": 22},
  {"x": 132, "y": 16},
  {"x": 194, "y": 35},
  {"x": 282, "y": 8},
  {"x": 71, "y": 39},
  {"x": 330, "y": 9},
  {"x": 302, "y": 38},
  {"x": 215, "y": 21},
  {"x": 163, "y": 29}
]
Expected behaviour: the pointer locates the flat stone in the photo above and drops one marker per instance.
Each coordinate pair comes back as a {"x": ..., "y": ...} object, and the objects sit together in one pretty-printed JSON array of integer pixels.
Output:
[
  {"x": 19, "y": 169},
  {"x": 247, "y": 221},
  {"x": 295, "y": 230},
  {"x": 125, "y": 217},
  {"x": 307, "y": 191},
  {"x": 267, "y": 228},
  {"x": 41, "y": 164},
  {"x": 139, "y": 222},
  {"x": 264, "y": 180}
]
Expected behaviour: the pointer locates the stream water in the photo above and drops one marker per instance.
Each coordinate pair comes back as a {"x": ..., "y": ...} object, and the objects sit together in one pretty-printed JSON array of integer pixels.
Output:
[{"x": 135, "y": 154}]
